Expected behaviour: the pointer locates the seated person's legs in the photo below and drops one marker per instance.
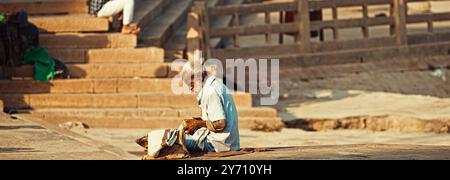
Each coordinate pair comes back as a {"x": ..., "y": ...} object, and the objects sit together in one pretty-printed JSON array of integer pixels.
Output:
[
  {"x": 128, "y": 16},
  {"x": 114, "y": 7},
  {"x": 192, "y": 145},
  {"x": 111, "y": 8}
]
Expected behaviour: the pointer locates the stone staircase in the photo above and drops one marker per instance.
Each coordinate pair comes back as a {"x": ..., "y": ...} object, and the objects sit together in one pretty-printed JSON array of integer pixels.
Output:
[
  {"x": 114, "y": 82},
  {"x": 170, "y": 28}
]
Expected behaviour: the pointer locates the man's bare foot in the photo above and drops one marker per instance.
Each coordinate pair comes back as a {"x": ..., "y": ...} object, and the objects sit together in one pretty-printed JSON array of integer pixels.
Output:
[{"x": 131, "y": 29}]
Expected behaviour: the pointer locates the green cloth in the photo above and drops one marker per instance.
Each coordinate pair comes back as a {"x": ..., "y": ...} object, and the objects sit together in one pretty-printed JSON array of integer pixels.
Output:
[
  {"x": 44, "y": 66},
  {"x": 2, "y": 18}
]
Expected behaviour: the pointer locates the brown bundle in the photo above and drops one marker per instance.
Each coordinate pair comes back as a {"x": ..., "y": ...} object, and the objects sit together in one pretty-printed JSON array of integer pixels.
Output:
[{"x": 176, "y": 151}]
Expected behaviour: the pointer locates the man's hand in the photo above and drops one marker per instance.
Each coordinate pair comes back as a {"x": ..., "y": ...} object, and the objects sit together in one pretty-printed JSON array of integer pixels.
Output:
[{"x": 192, "y": 125}]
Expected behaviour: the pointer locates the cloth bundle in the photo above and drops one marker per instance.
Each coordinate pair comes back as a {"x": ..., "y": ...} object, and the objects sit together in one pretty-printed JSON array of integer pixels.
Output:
[{"x": 166, "y": 143}]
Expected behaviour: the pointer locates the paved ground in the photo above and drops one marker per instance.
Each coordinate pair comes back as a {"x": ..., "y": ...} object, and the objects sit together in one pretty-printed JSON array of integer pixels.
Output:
[
  {"x": 124, "y": 138},
  {"x": 25, "y": 139},
  {"x": 341, "y": 104},
  {"x": 299, "y": 144},
  {"x": 352, "y": 152}
]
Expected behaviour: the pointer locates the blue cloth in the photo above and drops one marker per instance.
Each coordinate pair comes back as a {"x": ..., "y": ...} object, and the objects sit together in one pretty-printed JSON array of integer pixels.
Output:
[{"x": 191, "y": 145}]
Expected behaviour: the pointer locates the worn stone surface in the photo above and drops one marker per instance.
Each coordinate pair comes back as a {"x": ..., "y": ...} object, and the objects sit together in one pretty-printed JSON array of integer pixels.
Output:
[
  {"x": 186, "y": 101},
  {"x": 299, "y": 144},
  {"x": 73, "y": 125},
  {"x": 25, "y": 140},
  {"x": 118, "y": 70},
  {"x": 268, "y": 124},
  {"x": 87, "y": 41},
  {"x": 243, "y": 112},
  {"x": 126, "y": 55},
  {"x": 110, "y": 100},
  {"x": 70, "y": 56},
  {"x": 45, "y": 7},
  {"x": 82, "y": 100},
  {"x": 70, "y": 86},
  {"x": 87, "y": 86},
  {"x": 147, "y": 70},
  {"x": 144, "y": 85},
  {"x": 177, "y": 113},
  {"x": 15, "y": 101},
  {"x": 350, "y": 152},
  {"x": 105, "y": 86},
  {"x": 70, "y": 23},
  {"x": 109, "y": 55},
  {"x": 110, "y": 112},
  {"x": 374, "y": 123},
  {"x": 328, "y": 109}
]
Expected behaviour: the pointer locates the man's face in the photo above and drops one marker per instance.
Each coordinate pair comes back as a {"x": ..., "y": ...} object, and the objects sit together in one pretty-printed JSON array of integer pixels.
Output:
[{"x": 196, "y": 83}]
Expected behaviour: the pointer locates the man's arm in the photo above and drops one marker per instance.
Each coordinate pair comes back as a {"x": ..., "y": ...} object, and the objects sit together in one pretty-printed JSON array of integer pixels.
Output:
[
  {"x": 214, "y": 126},
  {"x": 216, "y": 121}
]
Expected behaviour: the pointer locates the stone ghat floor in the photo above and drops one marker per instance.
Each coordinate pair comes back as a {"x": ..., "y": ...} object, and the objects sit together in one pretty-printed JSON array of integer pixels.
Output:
[
  {"x": 299, "y": 144},
  {"x": 35, "y": 139},
  {"x": 27, "y": 140},
  {"x": 348, "y": 152}
]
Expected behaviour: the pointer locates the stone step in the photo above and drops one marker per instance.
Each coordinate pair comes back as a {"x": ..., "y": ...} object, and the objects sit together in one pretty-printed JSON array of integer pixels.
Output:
[
  {"x": 116, "y": 55},
  {"x": 44, "y": 6},
  {"x": 96, "y": 71},
  {"x": 221, "y": 22},
  {"x": 175, "y": 46},
  {"x": 70, "y": 23},
  {"x": 212, "y": 3},
  {"x": 87, "y": 41},
  {"x": 98, "y": 86},
  {"x": 112, "y": 100},
  {"x": 372, "y": 67},
  {"x": 153, "y": 122},
  {"x": 177, "y": 42},
  {"x": 157, "y": 32},
  {"x": 180, "y": 113},
  {"x": 146, "y": 11}
]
